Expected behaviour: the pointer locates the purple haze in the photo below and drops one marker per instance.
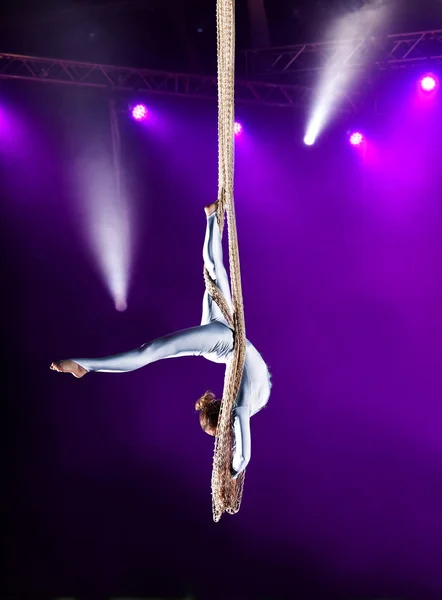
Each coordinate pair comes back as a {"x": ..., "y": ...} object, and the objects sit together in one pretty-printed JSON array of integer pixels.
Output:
[{"x": 109, "y": 477}]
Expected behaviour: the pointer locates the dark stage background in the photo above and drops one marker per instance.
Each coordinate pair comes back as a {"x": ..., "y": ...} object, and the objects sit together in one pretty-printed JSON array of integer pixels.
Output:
[{"x": 107, "y": 479}]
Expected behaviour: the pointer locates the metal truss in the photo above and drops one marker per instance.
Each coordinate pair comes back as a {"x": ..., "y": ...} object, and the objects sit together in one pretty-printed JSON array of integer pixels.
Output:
[
  {"x": 390, "y": 51},
  {"x": 127, "y": 79}
]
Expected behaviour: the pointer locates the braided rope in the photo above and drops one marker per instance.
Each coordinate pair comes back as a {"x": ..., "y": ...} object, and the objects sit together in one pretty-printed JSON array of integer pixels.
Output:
[
  {"x": 217, "y": 296},
  {"x": 227, "y": 492}
]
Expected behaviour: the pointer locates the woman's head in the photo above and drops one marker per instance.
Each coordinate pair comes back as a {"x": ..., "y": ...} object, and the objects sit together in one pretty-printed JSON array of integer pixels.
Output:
[{"x": 208, "y": 407}]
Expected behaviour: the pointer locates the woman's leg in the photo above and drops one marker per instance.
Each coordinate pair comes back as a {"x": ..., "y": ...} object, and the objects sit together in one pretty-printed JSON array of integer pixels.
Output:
[
  {"x": 213, "y": 261},
  {"x": 213, "y": 339}
]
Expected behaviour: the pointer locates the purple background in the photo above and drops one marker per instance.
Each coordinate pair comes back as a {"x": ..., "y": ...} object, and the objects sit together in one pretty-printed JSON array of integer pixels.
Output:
[{"x": 108, "y": 478}]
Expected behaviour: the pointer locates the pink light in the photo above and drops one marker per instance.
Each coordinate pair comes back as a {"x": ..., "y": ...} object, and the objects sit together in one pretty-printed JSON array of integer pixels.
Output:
[
  {"x": 356, "y": 139},
  {"x": 139, "y": 112},
  {"x": 428, "y": 83},
  {"x": 237, "y": 128}
]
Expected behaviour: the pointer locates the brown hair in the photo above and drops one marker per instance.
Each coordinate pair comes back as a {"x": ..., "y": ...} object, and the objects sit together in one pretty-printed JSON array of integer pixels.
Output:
[{"x": 208, "y": 407}]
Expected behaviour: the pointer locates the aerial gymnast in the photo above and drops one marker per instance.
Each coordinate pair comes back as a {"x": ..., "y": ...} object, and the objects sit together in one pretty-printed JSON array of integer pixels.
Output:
[{"x": 213, "y": 340}]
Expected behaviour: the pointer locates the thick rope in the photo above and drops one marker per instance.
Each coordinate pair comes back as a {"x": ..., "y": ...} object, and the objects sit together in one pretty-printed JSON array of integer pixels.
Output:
[{"x": 227, "y": 492}]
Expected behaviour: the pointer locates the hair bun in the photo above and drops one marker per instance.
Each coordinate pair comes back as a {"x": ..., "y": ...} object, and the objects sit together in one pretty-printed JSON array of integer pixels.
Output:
[{"x": 204, "y": 401}]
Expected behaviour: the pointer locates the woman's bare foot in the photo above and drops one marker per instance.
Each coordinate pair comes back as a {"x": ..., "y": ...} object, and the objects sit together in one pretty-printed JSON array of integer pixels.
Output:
[
  {"x": 211, "y": 208},
  {"x": 68, "y": 366}
]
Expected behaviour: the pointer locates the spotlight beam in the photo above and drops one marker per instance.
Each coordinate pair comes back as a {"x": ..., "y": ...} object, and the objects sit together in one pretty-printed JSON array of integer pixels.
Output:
[
  {"x": 340, "y": 73},
  {"x": 108, "y": 221}
]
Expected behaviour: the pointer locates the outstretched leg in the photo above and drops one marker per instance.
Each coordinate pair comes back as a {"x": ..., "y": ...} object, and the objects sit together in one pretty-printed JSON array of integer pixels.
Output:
[
  {"x": 214, "y": 341},
  {"x": 213, "y": 261}
]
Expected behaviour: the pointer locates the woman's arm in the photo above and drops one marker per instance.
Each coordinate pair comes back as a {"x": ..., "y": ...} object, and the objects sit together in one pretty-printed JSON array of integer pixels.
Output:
[
  {"x": 188, "y": 342},
  {"x": 241, "y": 430}
]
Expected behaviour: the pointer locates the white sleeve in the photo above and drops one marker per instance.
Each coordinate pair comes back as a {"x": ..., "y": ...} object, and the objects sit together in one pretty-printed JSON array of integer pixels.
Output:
[{"x": 242, "y": 448}]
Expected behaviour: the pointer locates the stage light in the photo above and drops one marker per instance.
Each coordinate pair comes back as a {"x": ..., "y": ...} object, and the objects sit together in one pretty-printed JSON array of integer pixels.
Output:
[
  {"x": 356, "y": 138},
  {"x": 139, "y": 112},
  {"x": 428, "y": 83},
  {"x": 237, "y": 128}
]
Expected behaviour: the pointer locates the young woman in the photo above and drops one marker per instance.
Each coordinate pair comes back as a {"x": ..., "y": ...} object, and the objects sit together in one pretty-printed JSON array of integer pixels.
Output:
[{"x": 213, "y": 340}]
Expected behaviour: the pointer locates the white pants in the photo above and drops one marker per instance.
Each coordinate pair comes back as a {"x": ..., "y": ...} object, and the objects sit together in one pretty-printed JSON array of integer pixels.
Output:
[{"x": 213, "y": 261}]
